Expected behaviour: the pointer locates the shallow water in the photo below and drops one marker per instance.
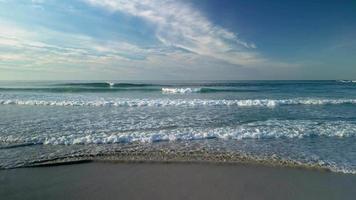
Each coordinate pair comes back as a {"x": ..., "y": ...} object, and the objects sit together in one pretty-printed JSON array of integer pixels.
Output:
[{"x": 310, "y": 122}]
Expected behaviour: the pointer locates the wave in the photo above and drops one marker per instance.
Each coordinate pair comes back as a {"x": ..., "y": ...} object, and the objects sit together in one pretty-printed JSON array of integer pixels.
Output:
[
  {"x": 203, "y": 90},
  {"x": 189, "y": 87},
  {"x": 347, "y": 81},
  {"x": 105, "y": 84},
  {"x": 180, "y": 90},
  {"x": 292, "y": 130},
  {"x": 81, "y": 89},
  {"x": 86, "y": 87},
  {"x": 176, "y": 102},
  {"x": 124, "y": 87},
  {"x": 271, "y": 129}
]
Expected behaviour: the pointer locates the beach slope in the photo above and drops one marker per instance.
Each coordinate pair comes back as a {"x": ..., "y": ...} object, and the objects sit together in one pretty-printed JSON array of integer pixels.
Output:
[{"x": 99, "y": 180}]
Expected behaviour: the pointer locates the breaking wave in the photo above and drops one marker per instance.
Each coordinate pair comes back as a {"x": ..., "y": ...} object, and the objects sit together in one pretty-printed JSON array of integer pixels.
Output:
[
  {"x": 118, "y": 87},
  {"x": 202, "y": 90},
  {"x": 105, "y": 84},
  {"x": 254, "y": 130},
  {"x": 180, "y": 90},
  {"x": 270, "y": 129},
  {"x": 347, "y": 81},
  {"x": 176, "y": 102}
]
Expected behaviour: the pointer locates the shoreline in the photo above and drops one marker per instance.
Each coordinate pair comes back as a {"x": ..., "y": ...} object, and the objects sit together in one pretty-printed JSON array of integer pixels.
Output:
[
  {"x": 173, "y": 180},
  {"x": 193, "y": 157}
]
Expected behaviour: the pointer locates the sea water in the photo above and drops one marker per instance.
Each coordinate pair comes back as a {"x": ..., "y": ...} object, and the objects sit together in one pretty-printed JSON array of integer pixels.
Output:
[{"x": 307, "y": 122}]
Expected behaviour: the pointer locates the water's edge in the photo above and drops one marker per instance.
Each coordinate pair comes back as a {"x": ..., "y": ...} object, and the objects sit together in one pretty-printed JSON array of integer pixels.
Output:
[{"x": 203, "y": 157}]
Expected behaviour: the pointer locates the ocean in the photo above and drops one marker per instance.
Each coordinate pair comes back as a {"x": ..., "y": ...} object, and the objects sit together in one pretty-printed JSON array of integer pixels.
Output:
[{"x": 306, "y": 123}]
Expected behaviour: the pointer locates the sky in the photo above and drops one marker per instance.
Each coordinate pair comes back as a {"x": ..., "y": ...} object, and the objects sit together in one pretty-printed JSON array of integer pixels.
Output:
[{"x": 177, "y": 39}]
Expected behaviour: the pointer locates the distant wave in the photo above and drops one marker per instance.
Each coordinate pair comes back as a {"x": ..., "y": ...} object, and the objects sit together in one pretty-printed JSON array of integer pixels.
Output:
[
  {"x": 86, "y": 87},
  {"x": 347, "y": 81},
  {"x": 203, "y": 90},
  {"x": 81, "y": 89},
  {"x": 103, "y": 87},
  {"x": 180, "y": 90},
  {"x": 105, "y": 84},
  {"x": 121, "y": 102}
]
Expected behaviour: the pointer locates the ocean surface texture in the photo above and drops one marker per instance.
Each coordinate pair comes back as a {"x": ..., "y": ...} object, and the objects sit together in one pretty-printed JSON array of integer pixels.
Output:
[{"x": 305, "y": 122}]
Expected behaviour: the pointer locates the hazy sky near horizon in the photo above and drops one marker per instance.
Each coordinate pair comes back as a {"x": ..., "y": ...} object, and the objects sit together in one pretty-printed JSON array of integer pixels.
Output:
[{"x": 177, "y": 39}]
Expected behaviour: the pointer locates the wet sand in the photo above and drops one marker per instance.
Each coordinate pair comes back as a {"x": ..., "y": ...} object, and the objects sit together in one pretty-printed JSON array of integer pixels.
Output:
[{"x": 100, "y": 180}]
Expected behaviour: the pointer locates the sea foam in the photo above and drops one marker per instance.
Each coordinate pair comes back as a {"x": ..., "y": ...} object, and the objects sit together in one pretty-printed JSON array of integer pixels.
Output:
[
  {"x": 122, "y": 102},
  {"x": 180, "y": 90},
  {"x": 347, "y": 81},
  {"x": 254, "y": 130}
]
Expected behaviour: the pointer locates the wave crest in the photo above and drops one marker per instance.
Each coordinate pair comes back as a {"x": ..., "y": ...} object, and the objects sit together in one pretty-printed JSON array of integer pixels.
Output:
[
  {"x": 104, "y": 84},
  {"x": 254, "y": 130},
  {"x": 176, "y": 102},
  {"x": 180, "y": 90},
  {"x": 347, "y": 81}
]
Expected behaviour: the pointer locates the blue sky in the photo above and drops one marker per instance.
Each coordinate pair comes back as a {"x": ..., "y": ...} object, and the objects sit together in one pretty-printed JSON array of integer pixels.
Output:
[{"x": 178, "y": 39}]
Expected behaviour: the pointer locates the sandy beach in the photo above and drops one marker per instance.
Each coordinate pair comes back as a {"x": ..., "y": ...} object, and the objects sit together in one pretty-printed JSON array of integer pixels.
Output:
[{"x": 103, "y": 180}]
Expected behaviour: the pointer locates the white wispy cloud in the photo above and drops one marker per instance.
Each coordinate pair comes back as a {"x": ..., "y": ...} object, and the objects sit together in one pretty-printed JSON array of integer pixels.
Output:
[
  {"x": 43, "y": 49},
  {"x": 52, "y": 47},
  {"x": 189, "y": 46},
  {"x": 179, "y": 25}
]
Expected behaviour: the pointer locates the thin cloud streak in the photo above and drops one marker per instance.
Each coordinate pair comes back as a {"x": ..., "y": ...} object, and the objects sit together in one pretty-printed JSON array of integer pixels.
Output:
[{"x": 36, "y": 47}]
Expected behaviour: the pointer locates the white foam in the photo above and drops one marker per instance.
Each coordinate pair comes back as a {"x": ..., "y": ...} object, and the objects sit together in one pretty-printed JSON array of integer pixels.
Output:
[
  {"x": 111, "y": 84},
  {"x": 180, "y": 90},
  {"x": 347, "y": 81},
  {"x": 175, "y": 102},
  {"x": 255, "y": 130},
  {"x": 270, "y": 129}
]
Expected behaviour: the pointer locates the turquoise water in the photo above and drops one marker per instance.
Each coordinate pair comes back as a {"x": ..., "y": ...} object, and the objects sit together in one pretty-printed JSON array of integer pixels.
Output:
[{"x": 312, "y": 122}]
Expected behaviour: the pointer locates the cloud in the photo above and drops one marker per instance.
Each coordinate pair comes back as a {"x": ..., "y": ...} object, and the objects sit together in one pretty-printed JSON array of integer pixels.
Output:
[
  {"x": 188, "y": 45},
  {"x": 44, "y": 50},
  {"x": 179, "y": 25}
]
